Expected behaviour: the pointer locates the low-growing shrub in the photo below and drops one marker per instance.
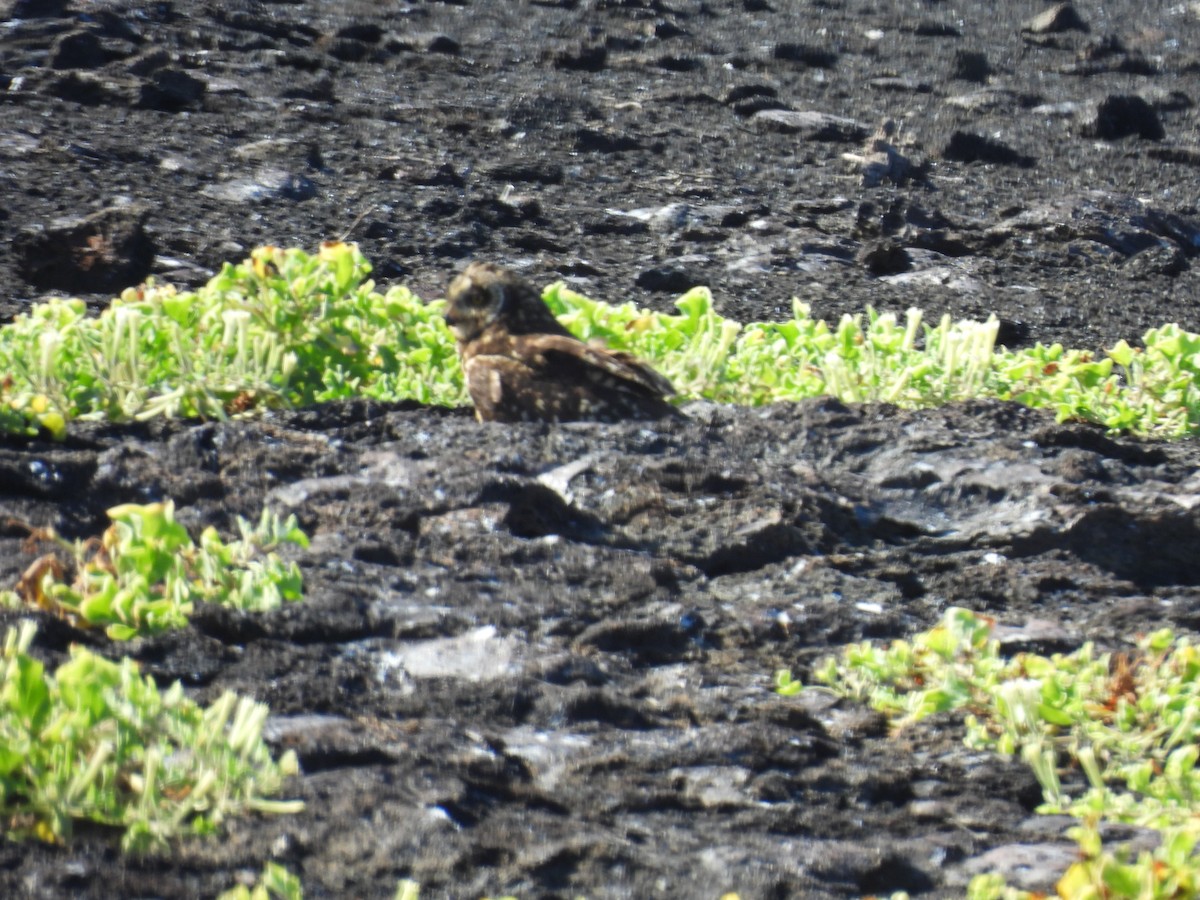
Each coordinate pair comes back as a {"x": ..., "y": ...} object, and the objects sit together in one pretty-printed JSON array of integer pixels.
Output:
[
  {"x": 1130, "y": 722},
  {"x": 281, "y": 329},
  {"x": 145, "y": 574},
  {"x": 97, "y": 742},
  {"x": 286, "y": 329},
  {"x": 275, "y": 883}
]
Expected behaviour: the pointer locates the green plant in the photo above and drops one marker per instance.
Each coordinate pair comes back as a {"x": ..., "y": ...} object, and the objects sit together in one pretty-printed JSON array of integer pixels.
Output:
[
  {"x": 281, "y": 329},
  {"x": 144, "y": 574},
  {"x": 1169, "y": 872},
  {"x": 275, "y": 883},
  {"x": 1151, "y": 391},
  {"x": 97, "y": 742},
  {"x": 1129, "y": 722},
  {"x": 285, "y": 328}
]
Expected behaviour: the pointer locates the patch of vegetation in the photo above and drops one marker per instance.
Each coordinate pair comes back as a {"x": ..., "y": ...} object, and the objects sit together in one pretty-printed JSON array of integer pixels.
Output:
[
  {"x": 287, "y": 329},
  {"x": 1130, "y": 722},
  {"x": 97, "y": 742},
  {"x": 275, "y": 883},
  {"x": 1150, "y": 391},
  {"x": 282, "y": 328},
  {"x": 145, "y": 574}
]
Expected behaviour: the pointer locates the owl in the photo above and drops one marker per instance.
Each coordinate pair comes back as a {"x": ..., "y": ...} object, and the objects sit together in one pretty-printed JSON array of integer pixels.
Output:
[{"x": 522, "y": 365}]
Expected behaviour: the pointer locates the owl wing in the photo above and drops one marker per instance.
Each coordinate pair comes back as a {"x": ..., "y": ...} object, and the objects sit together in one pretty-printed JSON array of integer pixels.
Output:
[{"x": 572, "y": 354}]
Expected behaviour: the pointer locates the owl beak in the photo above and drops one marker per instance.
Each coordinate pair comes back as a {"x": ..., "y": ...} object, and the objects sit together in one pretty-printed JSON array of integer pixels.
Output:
[{"x": 455, "y": 324}]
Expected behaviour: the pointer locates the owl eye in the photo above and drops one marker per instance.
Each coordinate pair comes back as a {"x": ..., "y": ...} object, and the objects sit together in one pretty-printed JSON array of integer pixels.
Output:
[{"x": 479, "y": 299}]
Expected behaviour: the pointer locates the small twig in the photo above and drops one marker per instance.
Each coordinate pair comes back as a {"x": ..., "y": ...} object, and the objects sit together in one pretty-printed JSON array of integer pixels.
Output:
[{"x": 358, "y": 221}]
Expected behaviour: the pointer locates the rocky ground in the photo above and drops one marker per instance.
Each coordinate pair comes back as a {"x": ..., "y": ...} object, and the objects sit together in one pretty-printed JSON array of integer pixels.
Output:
[{"x": 536, "y": 659}]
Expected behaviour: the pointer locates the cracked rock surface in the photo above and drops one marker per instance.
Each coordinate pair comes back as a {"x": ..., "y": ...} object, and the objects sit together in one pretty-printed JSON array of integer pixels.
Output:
[
  {"x": 536, "y": 660},
  {"x": 1041, "y": 165}
]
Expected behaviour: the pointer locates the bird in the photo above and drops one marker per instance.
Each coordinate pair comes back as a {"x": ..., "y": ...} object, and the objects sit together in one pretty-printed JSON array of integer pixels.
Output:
[{"x": 522, "y": 365}]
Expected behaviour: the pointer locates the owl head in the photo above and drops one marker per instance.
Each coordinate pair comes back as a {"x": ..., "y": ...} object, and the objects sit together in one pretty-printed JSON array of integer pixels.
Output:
[{"x": 486, "y": 295}]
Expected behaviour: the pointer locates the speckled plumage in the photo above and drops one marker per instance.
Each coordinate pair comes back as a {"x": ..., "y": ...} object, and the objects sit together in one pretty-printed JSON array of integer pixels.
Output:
[{"x": 522, "y": 365}]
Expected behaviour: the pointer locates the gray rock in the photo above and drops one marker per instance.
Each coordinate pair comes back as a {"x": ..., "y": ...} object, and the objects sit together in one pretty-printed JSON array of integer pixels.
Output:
[
  {"x": 77, "y": 50},
  {"x": 1058, "y": 18},
  {"x": 1029, "y": 867},
  {"x": 106, "y": 251},
  {"x": 267, "y": 184},
  {"x": 172, "y": 90},
  {"x": 810, "y": 125},
  {"x": 1121, "y": 115},
  {"x": 968, "y": 147}
]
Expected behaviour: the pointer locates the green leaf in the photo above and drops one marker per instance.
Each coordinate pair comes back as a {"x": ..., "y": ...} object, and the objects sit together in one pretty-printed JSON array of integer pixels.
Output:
[
  {"x": 785, "y": 684},
  {"x": 1055, "y": 716},
  {"x": 1122, "y": 880},
  {"x": 25, "y": 691}
]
